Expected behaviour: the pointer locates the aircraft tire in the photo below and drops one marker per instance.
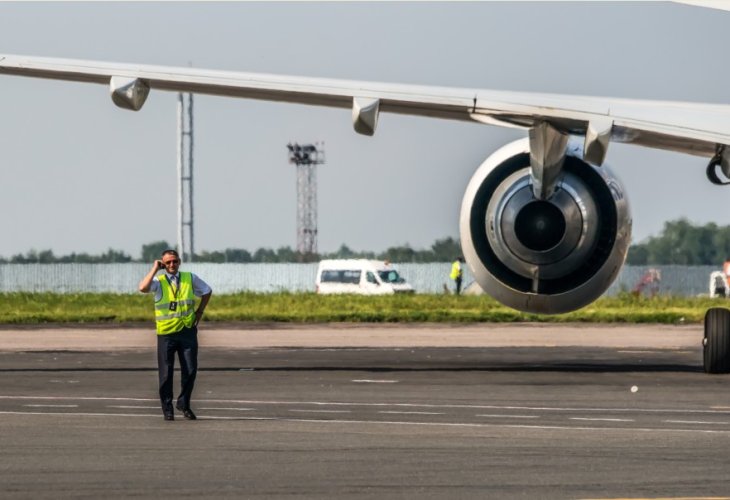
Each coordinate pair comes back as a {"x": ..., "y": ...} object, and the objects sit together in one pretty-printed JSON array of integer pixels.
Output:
[{"x": 716, "y": 343}]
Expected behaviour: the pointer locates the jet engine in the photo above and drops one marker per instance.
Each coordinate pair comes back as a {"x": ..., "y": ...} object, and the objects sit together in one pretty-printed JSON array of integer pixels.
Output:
[{"x": 549, "y": 255}]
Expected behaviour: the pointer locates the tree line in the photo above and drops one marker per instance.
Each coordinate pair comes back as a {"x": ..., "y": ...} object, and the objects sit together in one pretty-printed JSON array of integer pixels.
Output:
[
  {"x": 680, "y": 242},
  {"x": 684, "y": 243},
  {"x": 443, "y": 250}
]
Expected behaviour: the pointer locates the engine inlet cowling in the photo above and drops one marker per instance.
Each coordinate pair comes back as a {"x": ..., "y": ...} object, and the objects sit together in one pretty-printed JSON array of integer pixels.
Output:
[
  {"x": 544, "y": 256},
  {"x": 129, "y": 93}
]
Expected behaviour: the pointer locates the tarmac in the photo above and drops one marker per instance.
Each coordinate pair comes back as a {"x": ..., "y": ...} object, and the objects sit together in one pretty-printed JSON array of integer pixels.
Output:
[{"x": 234, "y": 336}]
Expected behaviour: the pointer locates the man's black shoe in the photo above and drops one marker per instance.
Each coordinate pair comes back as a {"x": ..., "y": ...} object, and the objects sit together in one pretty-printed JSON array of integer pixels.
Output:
[
  {"x": 169, "y": 416},
  {"x": 187, "y": 413}
]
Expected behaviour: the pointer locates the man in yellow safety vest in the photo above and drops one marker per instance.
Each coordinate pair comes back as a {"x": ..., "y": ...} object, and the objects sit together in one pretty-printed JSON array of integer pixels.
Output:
[
  {"x": 457, "y": 273},
  {"x": 177, "y": 327}
]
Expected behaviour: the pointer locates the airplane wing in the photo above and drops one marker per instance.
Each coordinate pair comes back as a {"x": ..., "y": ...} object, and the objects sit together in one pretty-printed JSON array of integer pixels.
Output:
[
  {"x": 699, "y": 129},
  {"x": 558, "y": 224},
  {"x": 709, "y": 4}
]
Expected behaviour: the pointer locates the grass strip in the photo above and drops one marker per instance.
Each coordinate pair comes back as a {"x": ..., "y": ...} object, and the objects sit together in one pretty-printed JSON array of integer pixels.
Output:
[{"x": 39, "y": 308}]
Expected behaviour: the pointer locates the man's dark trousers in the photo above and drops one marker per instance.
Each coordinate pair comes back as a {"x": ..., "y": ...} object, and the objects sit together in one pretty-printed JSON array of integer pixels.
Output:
[{"x": 185, "y": 344}]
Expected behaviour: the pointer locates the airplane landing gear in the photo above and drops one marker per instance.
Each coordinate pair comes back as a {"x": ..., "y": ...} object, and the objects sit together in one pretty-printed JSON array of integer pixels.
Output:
[{"x": 716, "y": 343}]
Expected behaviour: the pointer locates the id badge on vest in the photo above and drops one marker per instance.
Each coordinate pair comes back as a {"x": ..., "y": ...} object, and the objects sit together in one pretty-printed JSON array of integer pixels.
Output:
[{"x": 175, "y": 291}]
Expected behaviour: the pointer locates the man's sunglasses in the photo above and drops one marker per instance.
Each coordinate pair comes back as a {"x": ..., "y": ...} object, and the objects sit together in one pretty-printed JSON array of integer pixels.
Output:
[{"x": 171, "y": 262}]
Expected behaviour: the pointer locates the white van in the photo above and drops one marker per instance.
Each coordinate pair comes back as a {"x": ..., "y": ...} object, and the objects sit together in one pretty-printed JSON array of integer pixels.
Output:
[{"x": 361, "y": 276}]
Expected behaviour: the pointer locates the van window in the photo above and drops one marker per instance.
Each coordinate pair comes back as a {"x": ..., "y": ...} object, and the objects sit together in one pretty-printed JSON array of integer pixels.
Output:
[
  {"x": 334, "y": 276},
  {"x": 371, "y": 278},
  {"x": 390, "y": 276}
]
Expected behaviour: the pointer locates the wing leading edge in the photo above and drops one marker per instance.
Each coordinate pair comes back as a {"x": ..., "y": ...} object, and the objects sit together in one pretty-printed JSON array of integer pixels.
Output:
[{"x": 694, "y": 128}]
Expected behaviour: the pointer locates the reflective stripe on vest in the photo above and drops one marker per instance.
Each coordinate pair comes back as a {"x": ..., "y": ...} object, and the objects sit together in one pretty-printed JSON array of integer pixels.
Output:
[{"x": 184, "y": 314}]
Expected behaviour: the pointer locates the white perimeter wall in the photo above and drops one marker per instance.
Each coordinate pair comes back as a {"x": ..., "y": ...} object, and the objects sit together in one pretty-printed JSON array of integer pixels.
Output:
[{"x": 231, "y": 278}]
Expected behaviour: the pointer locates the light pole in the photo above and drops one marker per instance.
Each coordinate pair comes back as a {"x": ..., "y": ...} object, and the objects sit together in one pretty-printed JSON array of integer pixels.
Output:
[
  {"x": 185, "y": 177},
  {"x": 306, "y": 157}
]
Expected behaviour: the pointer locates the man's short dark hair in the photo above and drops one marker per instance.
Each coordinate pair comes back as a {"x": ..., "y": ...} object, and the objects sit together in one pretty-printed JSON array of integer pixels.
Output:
[{"x": 171, "y": 251}]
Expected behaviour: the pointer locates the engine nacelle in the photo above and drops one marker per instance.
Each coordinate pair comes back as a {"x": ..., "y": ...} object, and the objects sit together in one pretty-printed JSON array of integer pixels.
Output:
[
  {"x": 544, "y": 256},
  {"x": 129, "y": 93}
]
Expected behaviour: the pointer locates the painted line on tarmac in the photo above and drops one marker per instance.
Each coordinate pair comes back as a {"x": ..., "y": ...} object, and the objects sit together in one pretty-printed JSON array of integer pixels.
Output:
[
  {"x": 79, "y": 398},
  {"x": 321, "y": 411},
  {"x": 411, "y": 413},
  {"x": 694, "y": 422},
  {"x": 389, "y": 422},
  {"x": 77, "y": 414},
  {"x": 370, "y": 381},
  {"x": 604, "y": 419},
  {"x": 52, "y": 406},
  {"x": 229, "y": 409},
  {"x": 131, "y": 407},
  {"x": 514, "y": 426},
  {"x": 380, "y": 405},
  {"x": 478, "y": 407},
  {"x": 508, "y": 416},
  {"x": 660, "y": 498}
]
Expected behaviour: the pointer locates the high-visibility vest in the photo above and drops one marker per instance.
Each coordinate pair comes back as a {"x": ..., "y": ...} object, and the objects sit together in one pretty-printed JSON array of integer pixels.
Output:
[
  {"x": 183, "y": 316},
  {"x": 455, "y": 269}
]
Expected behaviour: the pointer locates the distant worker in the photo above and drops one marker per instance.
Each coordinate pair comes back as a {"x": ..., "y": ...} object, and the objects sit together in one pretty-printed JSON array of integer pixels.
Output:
[
  {"x": 177, "y": 327},
  {"x": 457, "y": 273},
  {"x": 648, "y": 282},
  {"x": 726, "y": 271}
]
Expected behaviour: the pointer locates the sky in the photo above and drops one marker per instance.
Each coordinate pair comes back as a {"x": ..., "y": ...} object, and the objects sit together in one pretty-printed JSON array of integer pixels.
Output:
[{"x": 81, "y": 175}]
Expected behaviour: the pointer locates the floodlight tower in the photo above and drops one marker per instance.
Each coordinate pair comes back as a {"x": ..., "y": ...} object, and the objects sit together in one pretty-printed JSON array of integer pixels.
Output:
[
  {"x": 185, "y": 176},
  {"x": 306, "y": 157}
]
